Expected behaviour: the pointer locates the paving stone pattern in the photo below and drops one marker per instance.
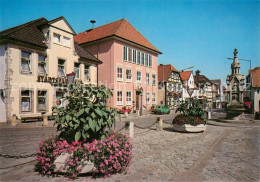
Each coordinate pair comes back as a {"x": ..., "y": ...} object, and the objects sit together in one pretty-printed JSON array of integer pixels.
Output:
[{"x": 219, "y": 154}]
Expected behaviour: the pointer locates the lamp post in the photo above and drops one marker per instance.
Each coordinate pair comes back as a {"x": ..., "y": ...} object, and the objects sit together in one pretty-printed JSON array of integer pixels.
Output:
[
  {"x": 70, "y": 77},
  {"x": 141, "y": 109}
]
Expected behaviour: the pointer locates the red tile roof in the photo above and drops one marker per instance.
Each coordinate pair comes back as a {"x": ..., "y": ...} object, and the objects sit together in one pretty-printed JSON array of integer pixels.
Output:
[
  {"x": 185, "y": 75},
  {"x": 164, "y": 72},
  {"x": 121, "y": 28}
]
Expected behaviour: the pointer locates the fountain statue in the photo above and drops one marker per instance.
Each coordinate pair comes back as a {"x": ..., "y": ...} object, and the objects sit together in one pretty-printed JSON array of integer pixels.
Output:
[{"x": 235, "y": 88}]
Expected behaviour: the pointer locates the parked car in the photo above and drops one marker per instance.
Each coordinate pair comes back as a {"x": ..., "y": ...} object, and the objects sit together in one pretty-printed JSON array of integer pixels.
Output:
[
  {"x": 161, "y": 109},
  {"x": 124, "y": 110}
]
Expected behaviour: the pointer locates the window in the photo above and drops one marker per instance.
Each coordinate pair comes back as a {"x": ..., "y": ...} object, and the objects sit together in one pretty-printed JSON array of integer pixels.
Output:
[
  {"x": 138, "y": 57},
  {"x": 146, "y": 59},
  {"x": 170, "y": 101},
  {"x": 129, "y": 54},
  {"x": 125, "y": 53},
  {"x": 26, "y": 64},
  {"x": 56, "y": 38},
  {"x": 60, "y": 98},
  {"x": 175, "y": 102},
  {"x": 139, "y": 77},
  {"x": 142, "y": 58},
  {"x": 170, "y": 86},
  {"x": 153, "y": 98},
  {"x": 128, "y": 75},
  {"x": 154, "y": 79},
  {"x": 147, "y": 79},
  {"x": 147, "y": 98},
  {"x": 119, "y": 74},
  {"x": 119, "y": 98},
  {"x": 87, "y": 73},
  {"x": 26, "y": 100},
  {"x": 61, "y": 67},
  {"x": 175, "y": 88},
  {"x": 42, "y": 65},
  {"x": 42, "y": 106},
  {"x": 179, "y": 87},
  {"x": 150, "y": 63},
  {"x": 66, "y": 41},
  {"x": 77, "y": 70},
  {"x": 128, "y": 98},
  {"x": 134, "y": 56}
]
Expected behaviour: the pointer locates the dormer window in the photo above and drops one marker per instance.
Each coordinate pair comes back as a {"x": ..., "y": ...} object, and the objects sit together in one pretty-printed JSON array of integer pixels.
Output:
[{"x": 56, "y": 38}]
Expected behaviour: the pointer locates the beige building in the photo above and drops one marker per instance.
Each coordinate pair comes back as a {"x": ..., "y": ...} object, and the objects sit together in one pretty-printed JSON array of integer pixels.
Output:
[{"x": 35, "y": 58}]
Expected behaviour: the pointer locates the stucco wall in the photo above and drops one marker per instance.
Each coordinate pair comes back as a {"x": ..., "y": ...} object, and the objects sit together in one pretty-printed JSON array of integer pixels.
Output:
[{"x": 2, "y": 83}]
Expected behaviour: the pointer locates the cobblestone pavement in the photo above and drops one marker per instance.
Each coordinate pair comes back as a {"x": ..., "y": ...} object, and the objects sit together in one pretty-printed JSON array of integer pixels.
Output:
[{"x": 219, "y": 154}]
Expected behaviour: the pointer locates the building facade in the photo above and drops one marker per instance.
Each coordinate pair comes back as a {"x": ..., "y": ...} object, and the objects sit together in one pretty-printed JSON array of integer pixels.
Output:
[
  {"x": 217, "y": 95},
  {"x": 254, "y": 89},
  {"x": 205, "y": 91},
  {"x": 35, "y": 58},
  {"x": 129, "y": 66},
  {"x": 170, "y": 86},
  {"x": 187, "y": 78}
]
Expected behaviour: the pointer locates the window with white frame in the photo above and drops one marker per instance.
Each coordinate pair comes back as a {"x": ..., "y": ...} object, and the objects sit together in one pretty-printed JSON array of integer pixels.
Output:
[
  {"x": 138, "y": 57},
  {"x": 179, "y": 87},
  {"x": 87, "y": 73},
  {"x": 150, "y": 62},
  {"x": 170, "y": 87},
  {"x": 128, "y": 98},
  {"x": 138, "y": 76},
  {"x": 128, "y": 75},
  {"x": 61, "y": 68},
  {"x": 119, "y": 74},
  {"x": 26, "y": 100},
  {"x": 134, "y": 56},
  {"x": 153, "y": 98},
  {"x": 77, "y": 70},
  {"x": 42, "y": 102},
  {"x": 26, "y": 63},
  {"x": 66, "y": 41},
  {"x": 56, "y": 38},
  {"x": 130, "y": 54},
  {"x": 147, "y": 79},
  {"x": 119, "y": 99},
  {"x": 146, "y": 59},
  {"x": 42, "y": 65},
  {"x": 142, "y": 58},
  {"x": 147, "y": 98},
  {"x": 154, "y": 79},
  {"x": 125, "y": 53},
  {"x": 170, "y": 101},
  {"x": 175, "y": 88}
]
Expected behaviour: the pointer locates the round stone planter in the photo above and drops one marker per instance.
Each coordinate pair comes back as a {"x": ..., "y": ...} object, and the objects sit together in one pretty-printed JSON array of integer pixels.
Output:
[
  {"x": 61, "y": 164},
  {"x": 189, "y": 128}
]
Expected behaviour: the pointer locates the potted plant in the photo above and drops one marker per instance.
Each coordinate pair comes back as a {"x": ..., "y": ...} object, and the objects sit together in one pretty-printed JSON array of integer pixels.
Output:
[
  {"x": 86, "y": 142},
  {"x": 191, "y": 117}
]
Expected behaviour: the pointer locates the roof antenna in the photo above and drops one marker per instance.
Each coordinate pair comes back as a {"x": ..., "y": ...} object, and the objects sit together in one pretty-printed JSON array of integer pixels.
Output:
[{"x": 92, "y": 21}]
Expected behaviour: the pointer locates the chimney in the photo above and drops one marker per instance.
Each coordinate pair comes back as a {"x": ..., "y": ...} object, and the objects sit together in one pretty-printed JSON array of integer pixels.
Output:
[
  {"x": 197, "y": 73},
  {"x": 161, "y": 64}
]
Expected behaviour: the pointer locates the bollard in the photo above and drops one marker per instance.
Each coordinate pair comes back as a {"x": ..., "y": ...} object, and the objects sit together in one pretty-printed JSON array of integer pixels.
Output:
[
  {"x": 14, "y": 121},
  {"x": 45, "y": 120},
  {"x": 160, "y": 123},
  {"x": 131, "y": 129},
  {"x": 209, "y": 115}
]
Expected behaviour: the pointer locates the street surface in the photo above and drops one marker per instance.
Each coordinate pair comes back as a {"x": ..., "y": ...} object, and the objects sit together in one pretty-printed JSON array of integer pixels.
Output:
[{"x": 224, "y": 152}]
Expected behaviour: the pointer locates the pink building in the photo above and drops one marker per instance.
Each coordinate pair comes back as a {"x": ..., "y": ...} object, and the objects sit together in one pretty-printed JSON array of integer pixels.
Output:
[{"x": 129, "y": 63}]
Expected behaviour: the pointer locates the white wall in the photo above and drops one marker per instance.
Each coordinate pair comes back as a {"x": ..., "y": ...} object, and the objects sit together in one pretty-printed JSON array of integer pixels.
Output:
[{"x": 2, "y": 79}]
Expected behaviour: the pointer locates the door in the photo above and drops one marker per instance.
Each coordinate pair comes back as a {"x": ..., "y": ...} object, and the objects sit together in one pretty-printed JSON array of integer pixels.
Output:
[{"x": 137, "y": 100}]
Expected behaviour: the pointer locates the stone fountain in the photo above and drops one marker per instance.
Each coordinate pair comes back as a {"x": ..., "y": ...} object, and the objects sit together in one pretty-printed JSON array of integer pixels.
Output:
[{"x": 235, "y": 87}]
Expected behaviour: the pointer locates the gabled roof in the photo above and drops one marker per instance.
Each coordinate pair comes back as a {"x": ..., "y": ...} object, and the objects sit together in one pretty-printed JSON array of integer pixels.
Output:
[
  {"x": 256, "y": 77},
  {"x": 121, "y": 28},
  {"x": 185, "y": 75},
  {"x": 26, "y": 33},
  {"x": 64, "y": 19},
  {"x": 83, "y": 53},
  {"x": 201, "y": 79},
  {"x": 164, "y": 71},
  {"x": 31, "y": 33}
]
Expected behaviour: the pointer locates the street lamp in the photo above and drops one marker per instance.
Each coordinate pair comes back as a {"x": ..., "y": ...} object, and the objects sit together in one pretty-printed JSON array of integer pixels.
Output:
[
  {"x": 141, "y": 109},
  {"x": 70, "y": 77}
]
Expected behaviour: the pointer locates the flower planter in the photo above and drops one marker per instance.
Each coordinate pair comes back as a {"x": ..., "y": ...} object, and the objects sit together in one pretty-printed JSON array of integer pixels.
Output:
[
  {"x": 189, "y": 128},
  {"x": 60, "y": 163}
]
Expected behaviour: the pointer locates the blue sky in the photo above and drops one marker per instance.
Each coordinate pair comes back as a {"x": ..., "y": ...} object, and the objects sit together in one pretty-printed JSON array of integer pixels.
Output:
[{"x": 195, "y": 33}]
